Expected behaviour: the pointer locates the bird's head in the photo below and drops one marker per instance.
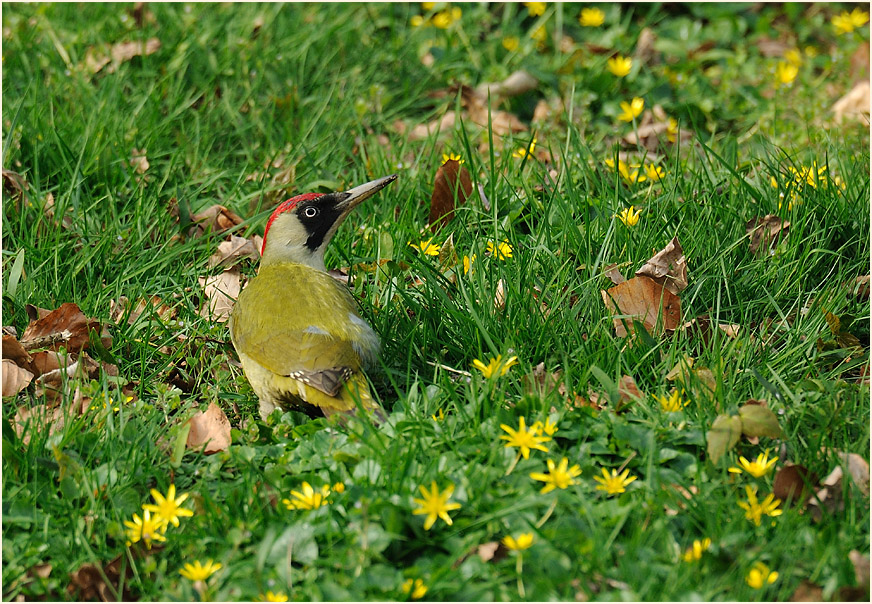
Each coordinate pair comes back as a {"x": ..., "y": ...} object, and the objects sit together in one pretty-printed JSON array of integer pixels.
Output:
[{"x": 300, "y": 228}]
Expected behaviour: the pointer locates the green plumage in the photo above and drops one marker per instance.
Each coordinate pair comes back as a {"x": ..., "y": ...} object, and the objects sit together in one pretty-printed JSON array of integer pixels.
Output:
[{"x": 296, "y": 329}]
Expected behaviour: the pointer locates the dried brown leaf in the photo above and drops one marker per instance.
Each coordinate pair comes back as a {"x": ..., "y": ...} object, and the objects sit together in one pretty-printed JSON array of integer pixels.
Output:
[
  {"x": 807, "y": 591},
  {"x": 87, "y": 583},
  {"x": 231, "y": 252},
  {"x": 645, "y": 300},
  {"x": 15, "y": 186},
  {"x": 221, "y": 291},
  {"x": 611, "y": 271},
  {"x": 451, "y": 188},
  {"x": 65, "y": 326},
  {"x": 854, "y": 105},
  {"x": 793, "y": 483},
  {"x": 15, "y": 378},
  {"x": 15, "y": 352},
  {"x": 95, "y": 60},
  {"x": 668, "y": 267},
  {"x": 517, "y": 83},
  {"x": 441, "y": 126},
  {"x": 765, "y": 233},
  {"x": 45, "y": 361},
  {"x": 49, "y": 209},
  {"x": 210, "y": 428},
  {"x": 215, "y": 218},
  {"x": 139, "y": 161},
  {"x": 645, "y": 51}
]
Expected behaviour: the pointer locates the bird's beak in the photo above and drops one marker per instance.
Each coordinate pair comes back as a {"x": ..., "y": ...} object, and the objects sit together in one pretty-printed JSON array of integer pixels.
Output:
[{"x": 355, "y": 196}]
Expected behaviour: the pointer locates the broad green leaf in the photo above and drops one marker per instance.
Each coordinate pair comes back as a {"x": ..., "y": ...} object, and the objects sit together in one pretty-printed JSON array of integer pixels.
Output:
[
  {"x": 723, "y": 435},
  {"x": 758, "y": 420}
]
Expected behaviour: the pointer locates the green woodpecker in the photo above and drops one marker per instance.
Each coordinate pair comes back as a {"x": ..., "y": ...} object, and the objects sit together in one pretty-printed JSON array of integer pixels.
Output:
[{"x": 297, "y": 330}]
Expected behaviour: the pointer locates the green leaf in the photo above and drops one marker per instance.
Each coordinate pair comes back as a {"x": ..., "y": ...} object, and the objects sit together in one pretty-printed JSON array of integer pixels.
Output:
[
  {"x": 758, "y": 420},
  {"x": 15, "y": 274},
  {"x": 723, "y": 435}
]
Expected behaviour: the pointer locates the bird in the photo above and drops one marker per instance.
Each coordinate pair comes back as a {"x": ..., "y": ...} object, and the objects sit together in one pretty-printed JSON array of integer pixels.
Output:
[{"x": 297, "y": 331}]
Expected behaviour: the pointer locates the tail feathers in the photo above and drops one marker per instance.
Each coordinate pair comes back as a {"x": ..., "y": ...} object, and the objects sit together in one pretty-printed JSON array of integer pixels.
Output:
[{"x": 353, "y": 395}]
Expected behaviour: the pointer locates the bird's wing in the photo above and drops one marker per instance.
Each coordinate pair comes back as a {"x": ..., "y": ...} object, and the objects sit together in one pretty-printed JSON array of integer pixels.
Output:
[{"x": 314, "y": 336}]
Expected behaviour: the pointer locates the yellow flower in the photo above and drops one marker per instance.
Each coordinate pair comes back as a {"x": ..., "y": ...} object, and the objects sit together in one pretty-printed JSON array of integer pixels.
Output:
[
  {"x": 467, "y": 263},
  {"x": 168, "y": 509},
  {"x": 754, "y": 510},
  {"x": 435, "y": 504},
  {"x": 631, "y": 110},
  {"x": 428, "y": 6},
  {"x": 309, "y": 499},
  {"x": 614, "y": 484},
  {"x": 199, "y": 572},
  {"x": 847, "y": 22},
  {"x": 415, "y": 587},
  {"x": 495, "y": 366},
  {"x": 629, "y": 217},
  {"x": 695, "y": 551},
  {"x": 511, "y": 43},
  {"x": 558, "y": 476},
  {"x": 793, "y": 56},
  {"x": 654, "y": 173},
  {"x": 524, "y": 541},
  {"x": 339, "y": 487},
  {"x": 428, "y": 248},
  {"x": 525, "y": 151},
  {"x": 536, "y": 9},
  {"x": 591, "y": 17},
  {"x": 548, "y": 428},
  {"x": 416, "y": 21},
  {"x": 672, "y": 130},
  {"x": 273, "y": 597},
  {"x": 523, "y": 438},
  {"x": 757, "y": 468},
  {"x": 449, "y": 156},
  {"x": 146, "y": 528},
  {"x": 438, "y": 417},
  {"x": 673, "y": 403},
  {"x": 445, "y": 18},
  {"x": 500, "y": 250},
  {"x": 785, "y": 73},
  {"x": 620, "y": 66},
  {"x": 759, "y": 576}
]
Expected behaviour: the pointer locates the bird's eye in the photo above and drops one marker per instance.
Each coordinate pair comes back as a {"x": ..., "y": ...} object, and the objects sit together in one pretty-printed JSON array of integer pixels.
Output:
[{"x": 310, "y": 212}]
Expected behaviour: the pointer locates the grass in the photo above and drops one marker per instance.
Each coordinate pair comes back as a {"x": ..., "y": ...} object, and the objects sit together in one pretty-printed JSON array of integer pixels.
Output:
[{"x": 316, "y": 89}]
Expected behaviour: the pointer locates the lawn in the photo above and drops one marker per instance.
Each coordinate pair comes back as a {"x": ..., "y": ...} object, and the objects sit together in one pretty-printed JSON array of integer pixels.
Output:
[{"x": 545, "y": 438}]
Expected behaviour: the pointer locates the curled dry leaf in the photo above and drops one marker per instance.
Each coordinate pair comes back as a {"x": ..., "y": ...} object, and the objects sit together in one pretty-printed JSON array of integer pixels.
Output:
[
  {"x": 15, "y": 352},
  {"x": 439, "y": 126},
  {"x": 119, "y": 53},
  {"x": 793, "y": 483},
  {"x": 215, "y": 218},
  {"x": 645, "y": 51},
  {"x": 765, "y": 233},
  {"x": 668, "y": 267},
  {"x": 15, "y": 186},
  {"x": 65, "y": 326},
  {"x": 831, "y": 495},
  {"x": 859, "y": 289},
  {"x": 210, "y": 428},
  {"x": 517, "y": 83},
  {"x": 611, "y": 271},
  {"x": 854, "y": 105},
  {"x": 221, "y": 291},
  {"x": 87, "y": 584},
  {"x": 628, "y": 391},
  {"x": 491, "y": 551},
  {"x": 15, "y": 378},
  {"x": 231, "y": 252},
  {"x": 451, "y": 188},
  {"x": 49, "y": 209},
  {"x": 139, "y": 161},
  {"x": 644, "y": 300}
]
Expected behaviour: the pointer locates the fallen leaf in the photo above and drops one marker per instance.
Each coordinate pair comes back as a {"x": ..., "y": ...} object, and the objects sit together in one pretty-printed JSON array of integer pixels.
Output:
[
  {"x": 517, "y": 83},
  {"x": 49, "y": 209},
  {"x": 117, "y": 310},
  {"x": 668, "y": 267},
  {"x": 859, "y": 288},
  {"x": 861, "y": 570},
  {"x": 15, "y": 378},
  {"x": 15, "y": 186},
  {"x": 451, "y": 189},
  {"x": 611, "y": 271},
  {"x": 491, "y": 551},
  {"x": 439, "y": 126},
  {"x": 831, "y": 493},
  {"x": 628, "y": 391},
  {"x": 500, "y": 295},
  {"x": 645, "y": 300},
  {"x": 139, "y": 161},
  {"x": 231, "y": 252},
  {"x": 772, "y": 48},
  {"x": 645, "y": 51},
  {"x": 758, "y": 420},
  {"x": 87, "y": 583},
  {"x": 65, "y": 326},
  {"x": 15, "y": 352},
  {"x": 854, "y": 105},
  {"x": 765, "y": 232},
  {"x": 215, "y": 218},
  {"x": 723, "y": 436},
  {"x": 210, "y": 428},
  {"x": 807, "y": 591},
  {"x": 47, "y": 360},
  {"x": 681, "y": 370},
  {"x": 221, "y": 291},
  {"x": 34, "y": 313},
  {"x": 793, "y": 483},
  {"x": 119, "y": 53}
]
